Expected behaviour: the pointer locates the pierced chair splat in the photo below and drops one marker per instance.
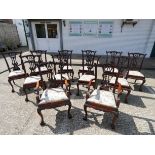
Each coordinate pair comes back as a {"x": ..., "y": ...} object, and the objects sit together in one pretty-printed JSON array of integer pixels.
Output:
[
  {"x": 53, "y": 94},
  {"x": 113, "y": 58},
  {"x": 66, "y": 57},
  {"x": 88, "y": 58},
  {"x": 60, "y": 62}
]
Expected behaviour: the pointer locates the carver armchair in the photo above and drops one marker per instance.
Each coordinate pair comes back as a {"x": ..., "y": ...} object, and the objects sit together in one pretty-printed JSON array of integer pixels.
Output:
[
  {"x": 104, "y": 99},
  {"x": 53, "y": 95}
]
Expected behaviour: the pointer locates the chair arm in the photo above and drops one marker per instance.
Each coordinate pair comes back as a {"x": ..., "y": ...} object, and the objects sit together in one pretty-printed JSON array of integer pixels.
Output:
[{"x": 90, "y": 84}]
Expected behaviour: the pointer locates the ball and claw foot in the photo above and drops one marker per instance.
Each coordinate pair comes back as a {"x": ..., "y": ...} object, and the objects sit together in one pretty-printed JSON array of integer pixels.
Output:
[
  {"x": 42, "y": 123},
  {"x": 85, "y": 118},
  {"x": 26, "y": 99},
  {"x": 69, "y": 116}
]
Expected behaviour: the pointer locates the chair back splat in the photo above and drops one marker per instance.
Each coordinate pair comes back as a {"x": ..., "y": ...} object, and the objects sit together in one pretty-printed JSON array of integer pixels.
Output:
[
  {"x": 42, "y": 53},
  {"x": 51, "y": 80},
  {"x": 88, "y": 58},
  {"x": 135, "y": 61},
  {"x": 113, "y": 57},
  {"x": 32, "y": 61},
  {"x": 14, "y": 65}
]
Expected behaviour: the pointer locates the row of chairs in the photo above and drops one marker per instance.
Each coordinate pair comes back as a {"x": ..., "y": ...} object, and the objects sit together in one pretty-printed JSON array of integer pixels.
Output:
[{"x": 58, "y": 71}]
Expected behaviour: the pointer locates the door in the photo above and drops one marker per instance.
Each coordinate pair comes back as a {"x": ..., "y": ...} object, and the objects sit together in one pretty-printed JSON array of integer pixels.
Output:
[{"x": 46, "y": 36}]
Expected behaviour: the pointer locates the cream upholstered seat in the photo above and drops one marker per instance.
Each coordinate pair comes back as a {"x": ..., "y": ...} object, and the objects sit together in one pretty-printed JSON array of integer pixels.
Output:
[
  {"x": 106, "y": 98},
  {"x": 26, "y": 53},
  {"x": 122, "y": 81},
  {"x": 16, "y": 73},
  {"x": 69, "y": 68},
  {"x": 115, "y": 70},
  {"x": 87, "y": 78},
  {"x": 85, "y": 68},
  {"x": 58, "y": 76},
  {"x": 43, "y": 68},
  {"x": 135, "y": 73},
  {"x": 53, "y": 95},
  {"x": 32, "y": 79}
]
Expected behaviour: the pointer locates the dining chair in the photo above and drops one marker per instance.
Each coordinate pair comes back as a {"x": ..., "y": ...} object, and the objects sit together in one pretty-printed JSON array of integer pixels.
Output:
[{"x": 53, "y": 95}]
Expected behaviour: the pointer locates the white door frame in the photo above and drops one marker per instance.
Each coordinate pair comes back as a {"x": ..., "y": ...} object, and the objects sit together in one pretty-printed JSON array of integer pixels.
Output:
[{"x": 49, "y": 44}]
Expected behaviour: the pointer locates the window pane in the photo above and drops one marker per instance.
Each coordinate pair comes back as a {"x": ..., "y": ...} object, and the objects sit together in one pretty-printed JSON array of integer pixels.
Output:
[
  {"x": 52, "y": 30},
  {"x": 40, "y": 30}
]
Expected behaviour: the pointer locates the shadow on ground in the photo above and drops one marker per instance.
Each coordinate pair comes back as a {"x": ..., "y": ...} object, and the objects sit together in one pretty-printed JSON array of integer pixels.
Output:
[{"x": 125, "y": 124}]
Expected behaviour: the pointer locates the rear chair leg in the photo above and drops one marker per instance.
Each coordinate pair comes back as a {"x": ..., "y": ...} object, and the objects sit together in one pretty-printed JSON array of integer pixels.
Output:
[
  {"x": 114, "y": 120},
  {"x": 126, "y": 97},
  {"x": 26, "y": 98},
  {"x": 77, "y": 89},
  {"x": 140, "y": 88},
  {"x": 85, "y": 109},
  {"x": 69, "y": 108},
  {"x": 11, "y": 86},
  {"x": 42, "y": 123},
  {"x": 72, "y": 76}
]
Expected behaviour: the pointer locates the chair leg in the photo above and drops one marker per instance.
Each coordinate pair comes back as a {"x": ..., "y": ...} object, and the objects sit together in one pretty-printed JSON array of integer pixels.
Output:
[
  {"x": 69, "y": 108},
  {"x": 14, "y": 82},
  {"x": 11, "y": 85},
  {"x": 140, "y": 88},
  {"x": 42, "y": 123},
  {"x": 70, "y": 88},
  {"x": 26, "y": 98},
  {"x": 72, "y": 76},
  {"x": 77, "y": 89},
  {"x": 79, "y": 74},
  {"x": 114, "y": 120},
  {"x": 85, "y": 109},
  {"x": 126, "y": 97}
]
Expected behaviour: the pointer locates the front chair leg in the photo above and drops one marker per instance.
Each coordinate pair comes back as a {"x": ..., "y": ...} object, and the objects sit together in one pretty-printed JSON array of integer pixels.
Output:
[
  {"x": 72, "y": 76},
  {"x": 114, "y": 120},
  {"x": 42, "y": 123},
  {"x": 126, "y": 97},
  {"x": 77, "y": 88},
  {"x": 140, "y": 88},
  {"x": 14, "y": 82},
  {"x": 85, "y": 109},
  {"x": 11, "y": 85},
  {"x": 69, "y": 108},
  {"x": 26, "y": 98}
]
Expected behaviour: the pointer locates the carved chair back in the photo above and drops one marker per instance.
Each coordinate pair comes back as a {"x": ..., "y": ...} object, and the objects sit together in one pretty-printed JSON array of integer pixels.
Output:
[
  {"x": 52, "y": 82},
  {"x": 14, "y": 63},
  {"x": 135, "y": 61},
  {"x": 66, "y": 56},
  {"x": 113, "y": 57},
  {"x": 88, "y": 58},
  {"x": 42, "y": 53},
  {"x": 107, "y": 75},
  {"x": 60, "y": 61},
  {"x": 32, "y": 61}
]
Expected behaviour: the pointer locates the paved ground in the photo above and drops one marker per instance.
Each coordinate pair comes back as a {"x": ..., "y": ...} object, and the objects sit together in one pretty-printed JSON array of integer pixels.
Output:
[{"x": 20, "y": 117}]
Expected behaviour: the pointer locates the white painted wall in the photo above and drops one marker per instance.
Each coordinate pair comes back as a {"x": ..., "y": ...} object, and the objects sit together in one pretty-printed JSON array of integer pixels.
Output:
[
  {"x": 131, "y": 39},
  {"x": 20, "y": 29}
]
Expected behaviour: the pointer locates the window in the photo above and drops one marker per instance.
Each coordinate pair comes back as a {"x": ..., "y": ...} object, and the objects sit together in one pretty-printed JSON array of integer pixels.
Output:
[
  {"x": 52, "y": 30},
  {"x": 40, "y": 30}
]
